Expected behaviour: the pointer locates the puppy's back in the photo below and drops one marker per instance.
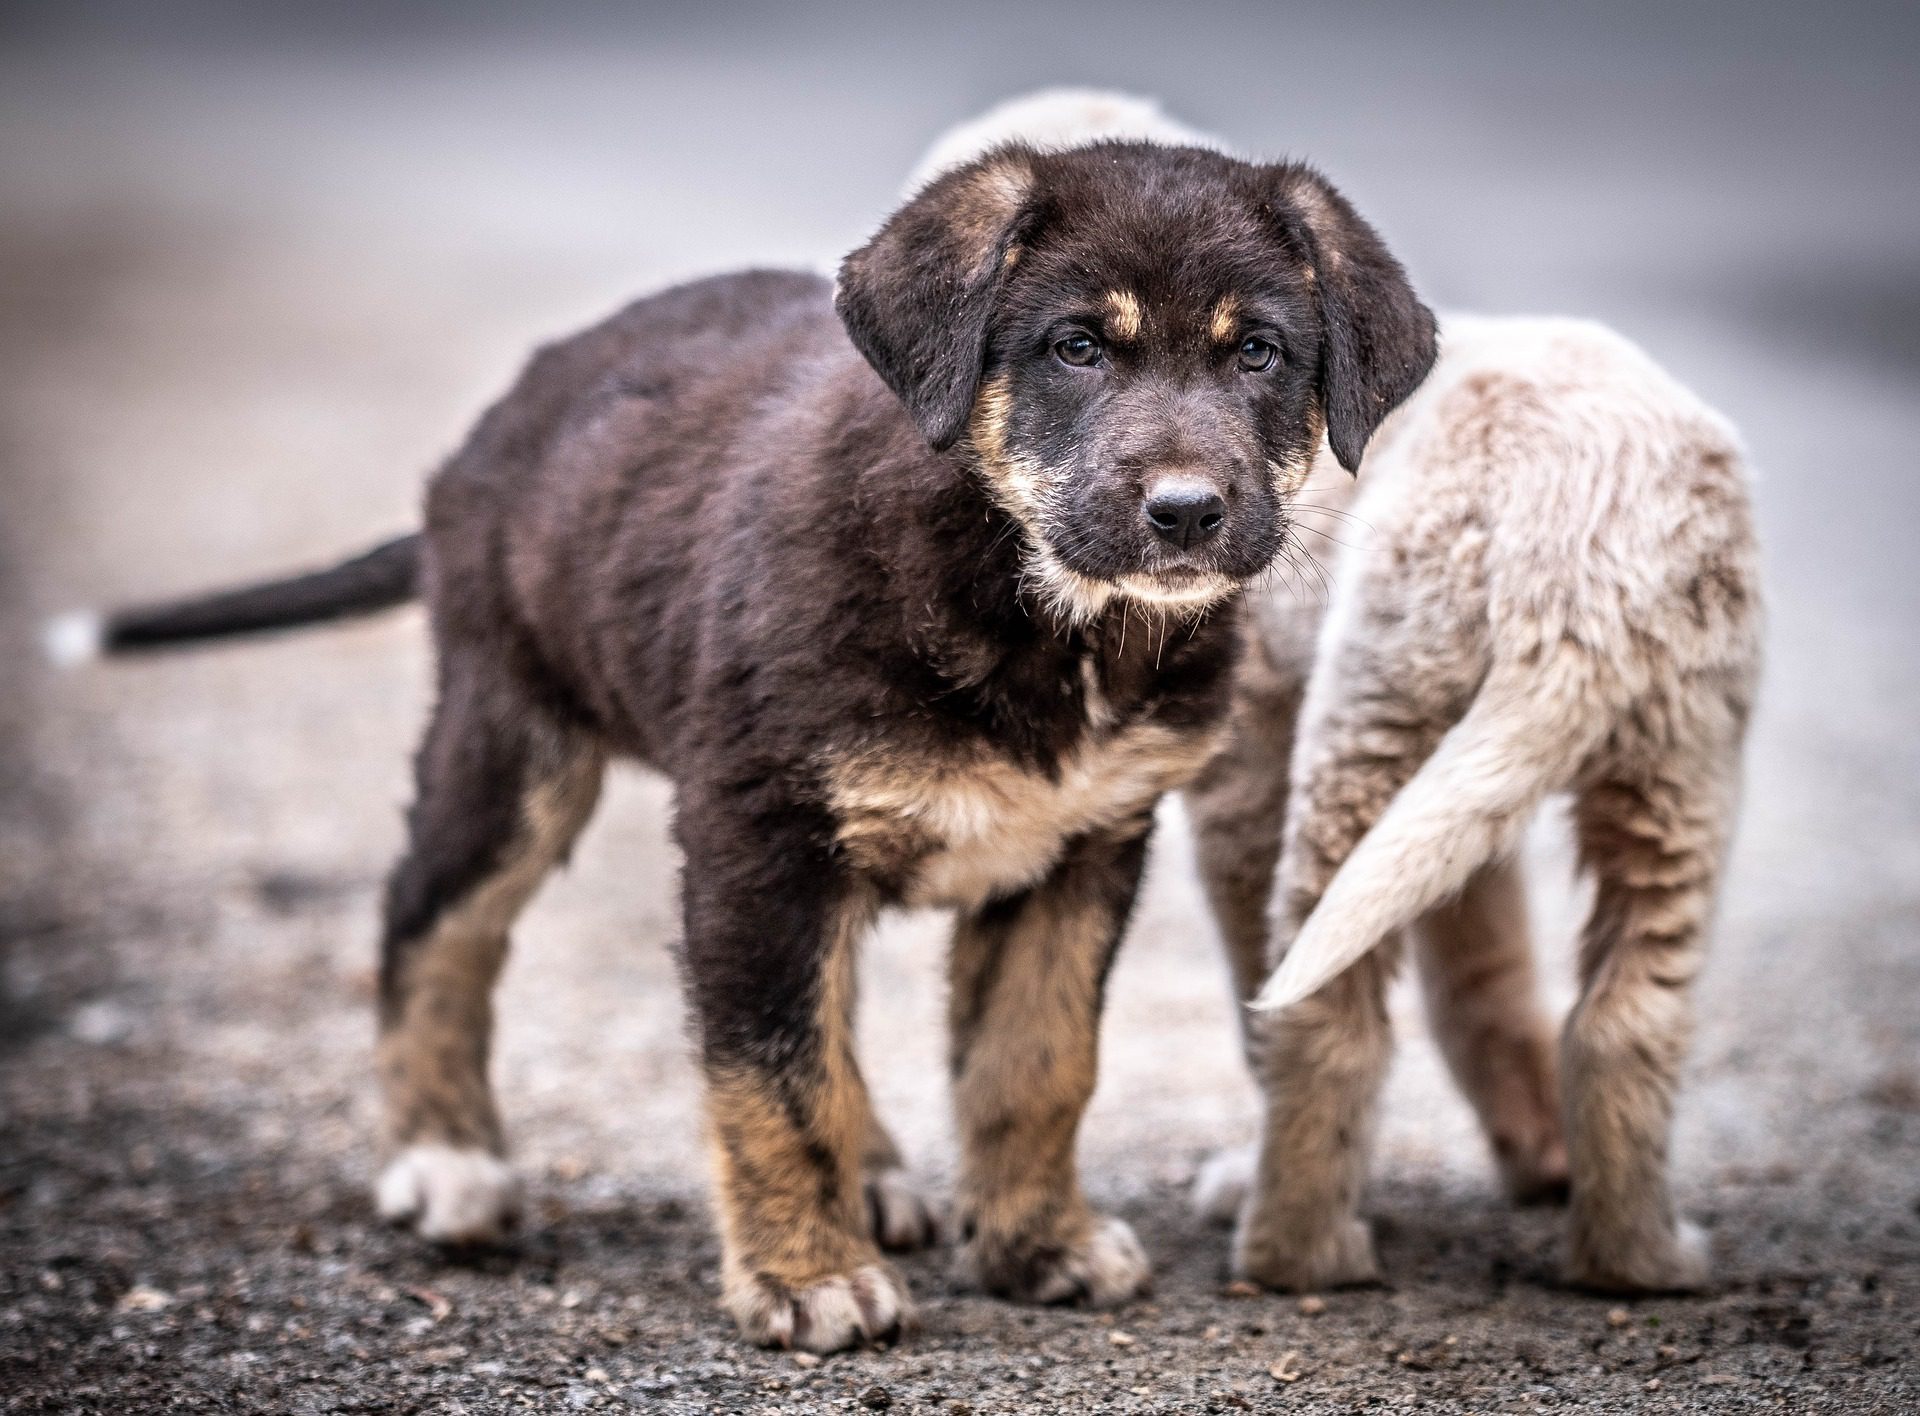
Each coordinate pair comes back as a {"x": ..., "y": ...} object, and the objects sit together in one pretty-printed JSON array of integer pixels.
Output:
[
  {"x": 1609, "y": 496},
  {"x": 1558, "y": 546}
]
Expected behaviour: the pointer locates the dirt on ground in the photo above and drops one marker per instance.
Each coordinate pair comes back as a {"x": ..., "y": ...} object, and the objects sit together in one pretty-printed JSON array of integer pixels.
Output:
[{"x": 207, "y": 372}]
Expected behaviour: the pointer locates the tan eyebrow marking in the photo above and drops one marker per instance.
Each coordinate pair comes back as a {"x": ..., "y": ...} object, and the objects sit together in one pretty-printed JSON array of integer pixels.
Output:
[
  {"x": 1226, "y": 319},
  {"x": 1127, "y": 316}
]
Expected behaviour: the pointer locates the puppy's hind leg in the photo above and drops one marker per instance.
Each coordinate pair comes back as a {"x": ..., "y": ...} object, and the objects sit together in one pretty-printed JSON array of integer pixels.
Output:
[
  {"x": 502, "y": 793},
  {"x": 900, "y": 1215},
  {"x": 1476, "y": 964},
  {"x": 1322, "y": 1061},
  {"x": 1237, "y": 807},
  {"x": 1654, "y": 843}
]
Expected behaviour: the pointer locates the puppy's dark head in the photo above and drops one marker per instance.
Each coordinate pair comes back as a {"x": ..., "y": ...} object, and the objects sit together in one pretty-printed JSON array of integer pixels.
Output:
[{"x": 1139, "y": 349}]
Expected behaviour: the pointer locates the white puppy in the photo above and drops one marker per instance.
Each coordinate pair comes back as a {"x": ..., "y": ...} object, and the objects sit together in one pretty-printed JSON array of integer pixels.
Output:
[
  {"x": 1550, "y": 584},
  {"x": 1055, "y": 119}
]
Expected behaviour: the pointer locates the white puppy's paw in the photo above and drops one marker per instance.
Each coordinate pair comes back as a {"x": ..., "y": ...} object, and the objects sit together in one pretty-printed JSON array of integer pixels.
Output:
[
  {"x": 1680, "y": 1263},
  {"x": 1340, "y": 1256},
  {"x": 899, "y": 1213},
  {"x": 868, "y": 1305},
  {"x": 1108, "y": 1268},
  {"x": 1221, "y": 1186},
  {"x": 1104, "y": 1267},
  {"x": 450, "y": 1195}
]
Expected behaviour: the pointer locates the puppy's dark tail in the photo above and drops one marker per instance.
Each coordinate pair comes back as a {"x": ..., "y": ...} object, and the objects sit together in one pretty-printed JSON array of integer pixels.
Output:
[{"x": 378, "y": 579}]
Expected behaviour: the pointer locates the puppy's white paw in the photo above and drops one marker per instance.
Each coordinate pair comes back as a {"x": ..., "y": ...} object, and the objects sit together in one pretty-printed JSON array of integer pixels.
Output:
[
  {"x": 899, "y": 1212},
  {"x": 1682, "y": 1263},
  {"x": 868, "y": 1305},
  {"x": 1340, "y": 1257},
  {"x": 1221, "y": 1186},
  {"x": 1108, "y": 1268},
  {"x": 1105, "y": 1267},
  {"x": 450, "y": 1195}
]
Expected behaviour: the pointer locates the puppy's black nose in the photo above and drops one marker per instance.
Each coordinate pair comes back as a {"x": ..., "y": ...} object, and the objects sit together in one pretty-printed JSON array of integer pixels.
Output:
[{"x": 1184, "y": 510}]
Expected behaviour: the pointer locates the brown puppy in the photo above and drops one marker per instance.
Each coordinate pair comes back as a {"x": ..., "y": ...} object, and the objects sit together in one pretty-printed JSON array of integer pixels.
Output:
[{"x": 912, "y": 606}]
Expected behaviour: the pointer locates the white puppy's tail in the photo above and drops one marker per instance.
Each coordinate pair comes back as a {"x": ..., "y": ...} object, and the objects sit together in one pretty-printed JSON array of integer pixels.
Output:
[{"x": 1524, "y": 733}]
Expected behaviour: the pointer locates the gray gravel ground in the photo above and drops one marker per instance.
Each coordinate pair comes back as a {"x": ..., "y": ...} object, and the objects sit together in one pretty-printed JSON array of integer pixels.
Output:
[{"x": 252, "y": 285}]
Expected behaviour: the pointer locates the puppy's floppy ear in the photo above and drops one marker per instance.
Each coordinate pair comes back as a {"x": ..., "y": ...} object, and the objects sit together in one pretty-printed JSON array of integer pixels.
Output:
[
  {"x": 1379, "y": 337},
  {"x": 917, "y": 298}
]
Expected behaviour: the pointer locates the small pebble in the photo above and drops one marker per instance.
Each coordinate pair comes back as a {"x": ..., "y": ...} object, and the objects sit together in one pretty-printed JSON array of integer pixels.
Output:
[
  {"x": 1618, "y": 1317},
  {"x": 1313, "y": 1305},
  {"x": 143, "y": 1300},
  {"x": 1120, "y": 1339}
]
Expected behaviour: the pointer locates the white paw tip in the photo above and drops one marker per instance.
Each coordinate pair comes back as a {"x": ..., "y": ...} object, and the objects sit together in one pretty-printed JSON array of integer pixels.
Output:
[
  {"x": 450, "y": 1195},
  {"x": 868, "y": 1305},
  {"x": 901, "y": 1215},
  {"x": 1108, "y": 1269},
  {"x": 1221, "y": 1186},
  {"x": 73, "y": 639},
  {"x": 1696, "y": 1254},
  {"x": 1116, "y": 1265}
]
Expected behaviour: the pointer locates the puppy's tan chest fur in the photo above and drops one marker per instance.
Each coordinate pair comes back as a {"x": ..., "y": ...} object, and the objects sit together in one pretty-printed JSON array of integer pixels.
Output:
[{"x": 959, "y": 830}]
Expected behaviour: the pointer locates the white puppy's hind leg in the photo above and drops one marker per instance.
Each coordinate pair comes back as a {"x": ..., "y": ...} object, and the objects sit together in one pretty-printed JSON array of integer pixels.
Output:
[
  {"x": 1220, "y": 1188},
  {"x": 1654, "y": 846},
  {"x": 1483, "y": 1000}
]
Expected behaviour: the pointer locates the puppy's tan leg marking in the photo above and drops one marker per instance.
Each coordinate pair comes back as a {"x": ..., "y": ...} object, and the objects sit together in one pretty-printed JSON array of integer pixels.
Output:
[
  {"x": 1028, "y": 976},
  {"x": 1476, "y": 965},
  {"x": 800, "y": 1267},
  {"x": 451, "y": 905},
  {"x": 1654, "y": 846}
]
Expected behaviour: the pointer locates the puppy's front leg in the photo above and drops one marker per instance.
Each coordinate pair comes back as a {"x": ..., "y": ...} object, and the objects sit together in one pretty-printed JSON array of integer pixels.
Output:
[
  {"x": 1028, "y": 978},
  {"x": 770, "y": 936}
]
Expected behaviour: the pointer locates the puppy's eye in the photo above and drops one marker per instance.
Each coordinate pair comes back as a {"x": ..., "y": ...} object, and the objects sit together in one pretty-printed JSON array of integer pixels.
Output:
[
  {"x": 1080, "y": 350},
  {"x": 1258, "y": 355}
]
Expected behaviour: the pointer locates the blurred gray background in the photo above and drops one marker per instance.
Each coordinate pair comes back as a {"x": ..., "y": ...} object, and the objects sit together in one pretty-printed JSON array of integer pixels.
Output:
[{"x": 260, "y": 267}]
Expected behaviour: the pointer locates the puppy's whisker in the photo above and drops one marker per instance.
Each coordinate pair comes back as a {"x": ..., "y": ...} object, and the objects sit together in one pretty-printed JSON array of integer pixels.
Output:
[
  {"x": 1333, "y": 511},
  {"x": 1349, "y": 545}
]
